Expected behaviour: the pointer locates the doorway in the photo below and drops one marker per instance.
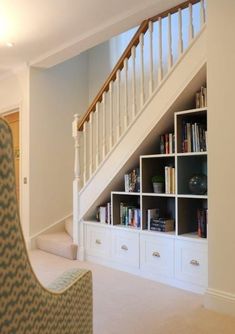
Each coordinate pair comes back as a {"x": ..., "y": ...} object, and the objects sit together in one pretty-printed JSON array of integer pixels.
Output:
[{"x": 13, "y": 119}]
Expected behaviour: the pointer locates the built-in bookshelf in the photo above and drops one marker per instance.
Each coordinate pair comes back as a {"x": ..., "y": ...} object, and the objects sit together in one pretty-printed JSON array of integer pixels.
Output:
[{"x": 181, "y": 207}]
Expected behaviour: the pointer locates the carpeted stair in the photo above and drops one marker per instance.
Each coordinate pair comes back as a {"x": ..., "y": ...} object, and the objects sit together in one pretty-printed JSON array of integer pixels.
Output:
[{"x": 59, "y": 243}]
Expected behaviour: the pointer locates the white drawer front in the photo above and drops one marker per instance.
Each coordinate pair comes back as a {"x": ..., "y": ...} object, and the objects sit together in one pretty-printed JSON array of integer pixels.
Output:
[
  {"x": 97, "y": 241},
  {"x": 126, "y": 247},
  {"x": 157, "y": 255},
  {"x": 192, "y": 262}
]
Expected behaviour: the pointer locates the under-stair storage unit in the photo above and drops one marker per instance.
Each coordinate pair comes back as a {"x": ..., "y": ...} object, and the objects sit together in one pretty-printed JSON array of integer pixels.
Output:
[{"x": 162, "y": 235}]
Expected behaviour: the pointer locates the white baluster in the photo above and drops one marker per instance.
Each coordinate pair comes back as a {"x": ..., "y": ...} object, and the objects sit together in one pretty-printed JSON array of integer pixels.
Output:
[
  {"x": 104, "y": 125},
  {"x": 76, "y": 181},
  {"x": 133, "y": 55},
  {"x": 180, "y": 37},
  {"x": 91, "y": 144},
  {"x": 170, "y": 57},
  {"x": 125, "y": 68},
  {"x": 111, "y": 114},
  {"x": 142, "y": 93},
  {"x": 160, "y": 69},
  {"x": 191, "y": 32},
  {"x": 84, "y": 153},
  {"x": 97, "y": 113},
  {"x": 202, "y": 13},
  {"x": 118, "y": 120},
  {"x": 150, "y": 57}
]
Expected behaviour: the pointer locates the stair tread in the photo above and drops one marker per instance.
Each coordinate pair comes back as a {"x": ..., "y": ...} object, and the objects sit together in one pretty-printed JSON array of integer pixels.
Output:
[
  {"x": 57, "y": 237},
  {"x": 59, "y": 243}
]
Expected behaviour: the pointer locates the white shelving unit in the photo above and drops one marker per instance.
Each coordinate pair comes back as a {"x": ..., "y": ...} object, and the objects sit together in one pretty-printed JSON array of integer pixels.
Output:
[{"x": 178, "y": 257}]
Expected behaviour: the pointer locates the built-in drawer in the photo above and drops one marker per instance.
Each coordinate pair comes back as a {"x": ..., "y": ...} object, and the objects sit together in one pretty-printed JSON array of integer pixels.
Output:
[
  {"x": 97, "y": 240},
  {"x": 125, "y": 247},
  {"x": 157, "y": 254},
  {"x": 191, "y": 262}
]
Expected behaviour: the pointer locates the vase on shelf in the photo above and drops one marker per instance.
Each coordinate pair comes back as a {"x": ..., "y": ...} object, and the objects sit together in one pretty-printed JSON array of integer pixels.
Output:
[{"x": 198, "y": 184}]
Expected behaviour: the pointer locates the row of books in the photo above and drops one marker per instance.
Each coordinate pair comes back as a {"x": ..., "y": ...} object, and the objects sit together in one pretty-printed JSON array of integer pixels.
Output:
[
  {"x": 132, "y": 181},
  {"x": 162, "y": 225},
  {"x": 202, "y": 222},
  {"x": 167, "y": 143},
  {"x": 169, "y": 180},
  {"x": 103, "y": 214},
  {"x": 201, "y": 98},
  {"x": 129, "y": 215},
  {"x": 194, "y": 137}
]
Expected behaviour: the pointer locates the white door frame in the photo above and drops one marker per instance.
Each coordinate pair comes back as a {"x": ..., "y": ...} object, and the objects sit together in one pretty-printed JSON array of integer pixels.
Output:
[{"x": 23, "y": 198}]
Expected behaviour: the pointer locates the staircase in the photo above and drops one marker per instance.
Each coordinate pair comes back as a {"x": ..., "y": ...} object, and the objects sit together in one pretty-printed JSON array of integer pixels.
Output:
[
  {"x": 59, "y": 241},
  {"x": 161, "y": 68},
  {"x": 163, "y": 64}
]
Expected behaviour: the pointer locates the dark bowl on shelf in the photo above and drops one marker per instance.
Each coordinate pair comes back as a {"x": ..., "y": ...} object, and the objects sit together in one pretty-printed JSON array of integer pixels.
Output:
[{"x": 198, "y": 184}]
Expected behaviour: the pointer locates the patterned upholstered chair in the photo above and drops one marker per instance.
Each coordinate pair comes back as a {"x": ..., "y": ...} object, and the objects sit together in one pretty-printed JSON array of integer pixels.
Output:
[{"x": 25, "y": 305}]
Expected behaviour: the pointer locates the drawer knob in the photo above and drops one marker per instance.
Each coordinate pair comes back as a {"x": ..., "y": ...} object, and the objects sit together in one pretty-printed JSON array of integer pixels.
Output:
[
  {"x": 156, "y": 254},
  {"x": 98, "y": 242},
  {"x": 194, "y": 263},
  {"x": 124, "y": 247}
]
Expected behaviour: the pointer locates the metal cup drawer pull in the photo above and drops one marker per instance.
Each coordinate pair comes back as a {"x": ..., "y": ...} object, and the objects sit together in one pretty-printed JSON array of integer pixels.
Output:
[
  {"x": 124, "y": 247},
  {"x": 156, "y": 254},
  {"x": 98, "y": 242},
  {"x": 194, "y": 263}
]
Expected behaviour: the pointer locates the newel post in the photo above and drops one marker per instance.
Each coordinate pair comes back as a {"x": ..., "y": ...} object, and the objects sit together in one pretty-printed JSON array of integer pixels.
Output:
[{"x": 77, "y": 225}]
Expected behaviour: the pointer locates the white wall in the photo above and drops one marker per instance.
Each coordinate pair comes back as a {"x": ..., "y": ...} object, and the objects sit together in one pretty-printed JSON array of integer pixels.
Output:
[
  {"x": 99, "y": 67},
  {"x": 14, "y": 93},
  {"x": 56, "y": 95},
  {"x": 221, "y": 78}
]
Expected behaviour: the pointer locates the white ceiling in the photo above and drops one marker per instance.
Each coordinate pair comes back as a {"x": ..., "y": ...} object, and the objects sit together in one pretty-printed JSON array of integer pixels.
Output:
[{"x": 47, "y": 32}]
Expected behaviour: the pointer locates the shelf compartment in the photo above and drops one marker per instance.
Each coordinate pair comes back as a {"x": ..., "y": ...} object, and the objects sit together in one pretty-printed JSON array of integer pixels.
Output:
[
  {"x": 198, "y": 116},
  {"x": 154, "y": 165},
  {"x": 166, "y": 206},
  {"x": 188, "y": 166},
  {"x": 128, "y": 200},
  {"x": 187, "y": 216},
  {"x": 193, "y": 236}
]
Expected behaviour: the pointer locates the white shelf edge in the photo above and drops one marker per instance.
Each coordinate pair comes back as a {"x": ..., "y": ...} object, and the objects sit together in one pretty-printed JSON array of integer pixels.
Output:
[
  {"x": 126, "y": 228},
  {"x": 158, "y": 195},
  {"x": 190, "y": 111},
  {"x": 191, "y": 154},
  {"x": 191, "y": 237},
  {"x": 171, "y": 234},
  {"x": 192, "y": 196},
  {"x": 172, "y": 155},
  {"x": 125, "y": 193}
]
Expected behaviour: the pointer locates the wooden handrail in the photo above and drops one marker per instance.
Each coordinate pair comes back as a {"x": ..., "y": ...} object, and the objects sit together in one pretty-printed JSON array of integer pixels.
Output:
[{"x": 126, "y": 54}]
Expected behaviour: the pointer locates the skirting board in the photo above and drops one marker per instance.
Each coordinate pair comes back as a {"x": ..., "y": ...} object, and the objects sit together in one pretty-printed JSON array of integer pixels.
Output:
[
  {"x": 220, "y": 301},
  {"x": 145, "y": 274}
]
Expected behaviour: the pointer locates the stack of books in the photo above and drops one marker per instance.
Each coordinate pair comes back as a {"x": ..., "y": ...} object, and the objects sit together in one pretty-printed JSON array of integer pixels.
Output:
[
  {"x": 103, "y": 214},
  {"x": 129, "y": 215},
  {"x": 152, "y": 214},
  {"x": 194, "y": 138},
  {"x": 132, "y": 181},
  {"x": 169, "y": 180},
  {"x": 162, "y": 225},
  {"x": 167, "y": 143}
]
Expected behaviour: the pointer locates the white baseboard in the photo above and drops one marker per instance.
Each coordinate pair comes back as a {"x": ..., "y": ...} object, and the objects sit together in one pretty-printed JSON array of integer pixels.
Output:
[
  {"x": 145, "y": 274},
  {"x": 220, "y": 301},
  {"x": 55, "y": 227}
]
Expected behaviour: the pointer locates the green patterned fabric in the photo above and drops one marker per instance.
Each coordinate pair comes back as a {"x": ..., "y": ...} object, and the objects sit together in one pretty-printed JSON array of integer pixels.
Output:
[
  {"x": 64, "y": 280},
  {"x": 25, "y": 305}
]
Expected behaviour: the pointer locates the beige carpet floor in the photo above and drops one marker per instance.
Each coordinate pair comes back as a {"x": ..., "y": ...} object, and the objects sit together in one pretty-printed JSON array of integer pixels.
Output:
[{"x": 126, "y": 304}]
